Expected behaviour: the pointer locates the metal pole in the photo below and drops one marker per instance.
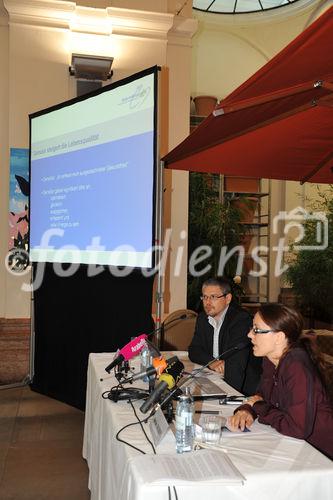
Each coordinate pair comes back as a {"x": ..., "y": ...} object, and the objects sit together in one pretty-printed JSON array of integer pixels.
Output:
[
  {"x": 159, "y": 238},
  {"x": 159, "y": 219},
  {"x": 32, "y": 334}
]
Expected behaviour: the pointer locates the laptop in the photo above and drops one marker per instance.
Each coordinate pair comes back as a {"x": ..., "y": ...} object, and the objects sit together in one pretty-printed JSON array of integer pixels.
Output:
[{"x": 203, "y": 388}]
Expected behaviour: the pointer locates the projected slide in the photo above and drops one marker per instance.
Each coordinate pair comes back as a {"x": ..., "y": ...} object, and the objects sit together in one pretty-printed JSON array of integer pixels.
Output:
[{"x": 92, "y": 178}]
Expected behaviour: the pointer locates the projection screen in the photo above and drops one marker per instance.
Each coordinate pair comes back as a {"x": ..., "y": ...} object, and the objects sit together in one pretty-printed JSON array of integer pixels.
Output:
[{"x": 92, "y": 175}]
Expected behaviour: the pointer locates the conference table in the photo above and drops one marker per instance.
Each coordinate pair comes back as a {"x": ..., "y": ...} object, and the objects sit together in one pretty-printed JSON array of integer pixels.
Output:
[{"x": 274, "y": 466}]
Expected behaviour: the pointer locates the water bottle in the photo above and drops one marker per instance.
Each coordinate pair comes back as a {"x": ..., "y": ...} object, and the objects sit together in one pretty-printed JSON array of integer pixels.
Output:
[
  {"x": 184, "y": 422},
  {"x": 146, "y": 360}
]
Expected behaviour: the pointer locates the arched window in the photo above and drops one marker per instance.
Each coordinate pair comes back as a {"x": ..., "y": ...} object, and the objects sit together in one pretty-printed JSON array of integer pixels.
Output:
[{"x": 239, "y": 6}]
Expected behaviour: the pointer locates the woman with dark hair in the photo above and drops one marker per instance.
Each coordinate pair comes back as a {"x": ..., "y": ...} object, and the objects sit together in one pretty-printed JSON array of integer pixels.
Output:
[{"x": 292, "y": 395}]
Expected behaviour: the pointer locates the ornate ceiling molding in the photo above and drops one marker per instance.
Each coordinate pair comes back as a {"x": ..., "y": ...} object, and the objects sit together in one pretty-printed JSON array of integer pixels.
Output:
[
  {"x": 140, "y": 23},
  {"x": 44, "y": 13},
  {"x": 182, "y": 31},
  {"x": 67, "y": 15}
]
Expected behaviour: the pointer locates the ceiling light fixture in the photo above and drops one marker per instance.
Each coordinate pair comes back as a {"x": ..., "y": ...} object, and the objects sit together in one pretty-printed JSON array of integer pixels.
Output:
[{"x": 91, "y": 67}]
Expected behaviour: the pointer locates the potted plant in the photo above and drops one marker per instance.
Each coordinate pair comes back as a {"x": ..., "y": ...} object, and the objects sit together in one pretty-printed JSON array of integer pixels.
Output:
[
  {"x": 310, "y": 271},
  {"x": 204, "y": 104},
  {"x": 215, "y": 223}
]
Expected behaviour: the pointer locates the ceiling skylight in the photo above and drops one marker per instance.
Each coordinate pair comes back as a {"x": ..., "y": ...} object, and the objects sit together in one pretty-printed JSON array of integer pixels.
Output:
[{"x": 238, "y": 6}]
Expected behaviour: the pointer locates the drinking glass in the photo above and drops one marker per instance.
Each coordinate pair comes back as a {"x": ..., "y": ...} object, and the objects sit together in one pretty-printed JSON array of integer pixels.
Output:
[{"x": 211, "y": 429}]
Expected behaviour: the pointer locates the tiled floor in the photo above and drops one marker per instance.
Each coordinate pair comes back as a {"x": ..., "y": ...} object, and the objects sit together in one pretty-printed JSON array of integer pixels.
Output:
[{"x": 40, "y": 448}]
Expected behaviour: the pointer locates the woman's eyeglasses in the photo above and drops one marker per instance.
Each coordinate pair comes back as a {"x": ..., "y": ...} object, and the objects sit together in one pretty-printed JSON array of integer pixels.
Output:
[{"x": 256, "y": 330}]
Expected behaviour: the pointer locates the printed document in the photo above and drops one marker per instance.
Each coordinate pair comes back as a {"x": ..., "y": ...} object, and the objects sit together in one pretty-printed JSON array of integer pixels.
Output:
[{"x": 198, "y": 466}]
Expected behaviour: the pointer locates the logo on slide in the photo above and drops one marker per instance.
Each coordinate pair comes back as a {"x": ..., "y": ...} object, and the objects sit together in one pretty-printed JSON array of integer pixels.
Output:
[{"x": 138, "y": 97}]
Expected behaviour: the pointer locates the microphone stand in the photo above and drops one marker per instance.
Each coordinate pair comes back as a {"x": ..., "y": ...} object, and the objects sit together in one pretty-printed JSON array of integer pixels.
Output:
[
  {"x": 151, "y": 383},
  {"x": 166, "y": 326},
  {"x": 123, "y": 367},
  {"x": 188, "y": 379}
]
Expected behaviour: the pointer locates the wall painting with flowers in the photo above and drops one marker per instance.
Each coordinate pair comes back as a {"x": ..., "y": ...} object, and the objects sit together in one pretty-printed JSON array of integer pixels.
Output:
[{"x": 19, "y": 199}]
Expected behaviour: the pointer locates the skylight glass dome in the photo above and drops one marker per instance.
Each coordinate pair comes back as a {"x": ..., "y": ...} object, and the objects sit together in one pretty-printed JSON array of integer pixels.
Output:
[{"x": 238, "y": 6}]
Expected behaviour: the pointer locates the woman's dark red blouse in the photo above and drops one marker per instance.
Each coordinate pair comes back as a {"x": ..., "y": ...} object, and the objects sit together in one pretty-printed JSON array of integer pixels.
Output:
[{"x": 295, "y": 402}]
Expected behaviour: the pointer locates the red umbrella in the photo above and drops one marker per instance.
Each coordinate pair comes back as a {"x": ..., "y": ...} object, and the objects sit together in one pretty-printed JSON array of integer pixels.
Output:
[{"x": 276, "y": 125}]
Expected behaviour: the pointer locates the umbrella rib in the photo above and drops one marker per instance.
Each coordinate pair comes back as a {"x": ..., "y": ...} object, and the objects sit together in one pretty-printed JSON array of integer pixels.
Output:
[
  {"x": 320, "y": 165},
  {"x": 287, "y": 92}
]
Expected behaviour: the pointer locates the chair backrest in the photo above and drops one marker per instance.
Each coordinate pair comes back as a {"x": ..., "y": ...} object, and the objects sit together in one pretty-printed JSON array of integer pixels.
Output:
[{"x": 177, "y": 330}]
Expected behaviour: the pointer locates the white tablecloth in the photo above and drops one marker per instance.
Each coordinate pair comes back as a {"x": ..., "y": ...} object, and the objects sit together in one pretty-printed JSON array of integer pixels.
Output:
[{"x": 275, "y": 467}]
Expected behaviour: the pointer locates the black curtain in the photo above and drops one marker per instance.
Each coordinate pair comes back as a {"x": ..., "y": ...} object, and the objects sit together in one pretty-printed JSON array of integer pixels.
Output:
[{"x": 77, "y": 315}]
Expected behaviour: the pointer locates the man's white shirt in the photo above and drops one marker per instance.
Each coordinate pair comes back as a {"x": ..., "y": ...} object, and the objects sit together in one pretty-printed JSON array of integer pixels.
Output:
[{"x": 216, "y": 324}]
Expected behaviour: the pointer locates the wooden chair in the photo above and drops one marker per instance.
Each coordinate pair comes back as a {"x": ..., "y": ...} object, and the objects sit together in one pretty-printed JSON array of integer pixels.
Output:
[
  {"x": 329, "y": 374},
  {"x": 177, "y": 330},
  {"x": 325, "y": 344}
]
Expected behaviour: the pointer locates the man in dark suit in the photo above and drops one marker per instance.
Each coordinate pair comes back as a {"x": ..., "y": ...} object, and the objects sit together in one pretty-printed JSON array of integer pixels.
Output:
[{"x": 221, "y": 326}]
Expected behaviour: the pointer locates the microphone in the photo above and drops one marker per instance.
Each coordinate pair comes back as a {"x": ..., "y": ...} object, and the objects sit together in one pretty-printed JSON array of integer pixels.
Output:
[
  {"x": 167, "y": 380},
  {"x": 128, "y": 351},
  {"x": 185, "y": 380},
  {"x": 135, "y": 346},
  {"x": 157, "y": 367}
]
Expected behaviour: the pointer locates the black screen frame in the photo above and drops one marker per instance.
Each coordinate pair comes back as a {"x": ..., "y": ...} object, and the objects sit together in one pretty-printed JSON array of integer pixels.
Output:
[{"x": 154, "y": 70}]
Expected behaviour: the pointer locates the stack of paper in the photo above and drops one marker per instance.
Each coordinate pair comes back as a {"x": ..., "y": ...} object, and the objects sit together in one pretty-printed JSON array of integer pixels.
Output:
[{"x": 199, "y": 466}]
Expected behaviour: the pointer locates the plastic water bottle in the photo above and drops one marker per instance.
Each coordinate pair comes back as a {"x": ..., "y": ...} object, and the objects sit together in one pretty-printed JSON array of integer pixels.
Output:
[
  {"x": 184, "y": 422},
  {"x": 145, "y": 361}
]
